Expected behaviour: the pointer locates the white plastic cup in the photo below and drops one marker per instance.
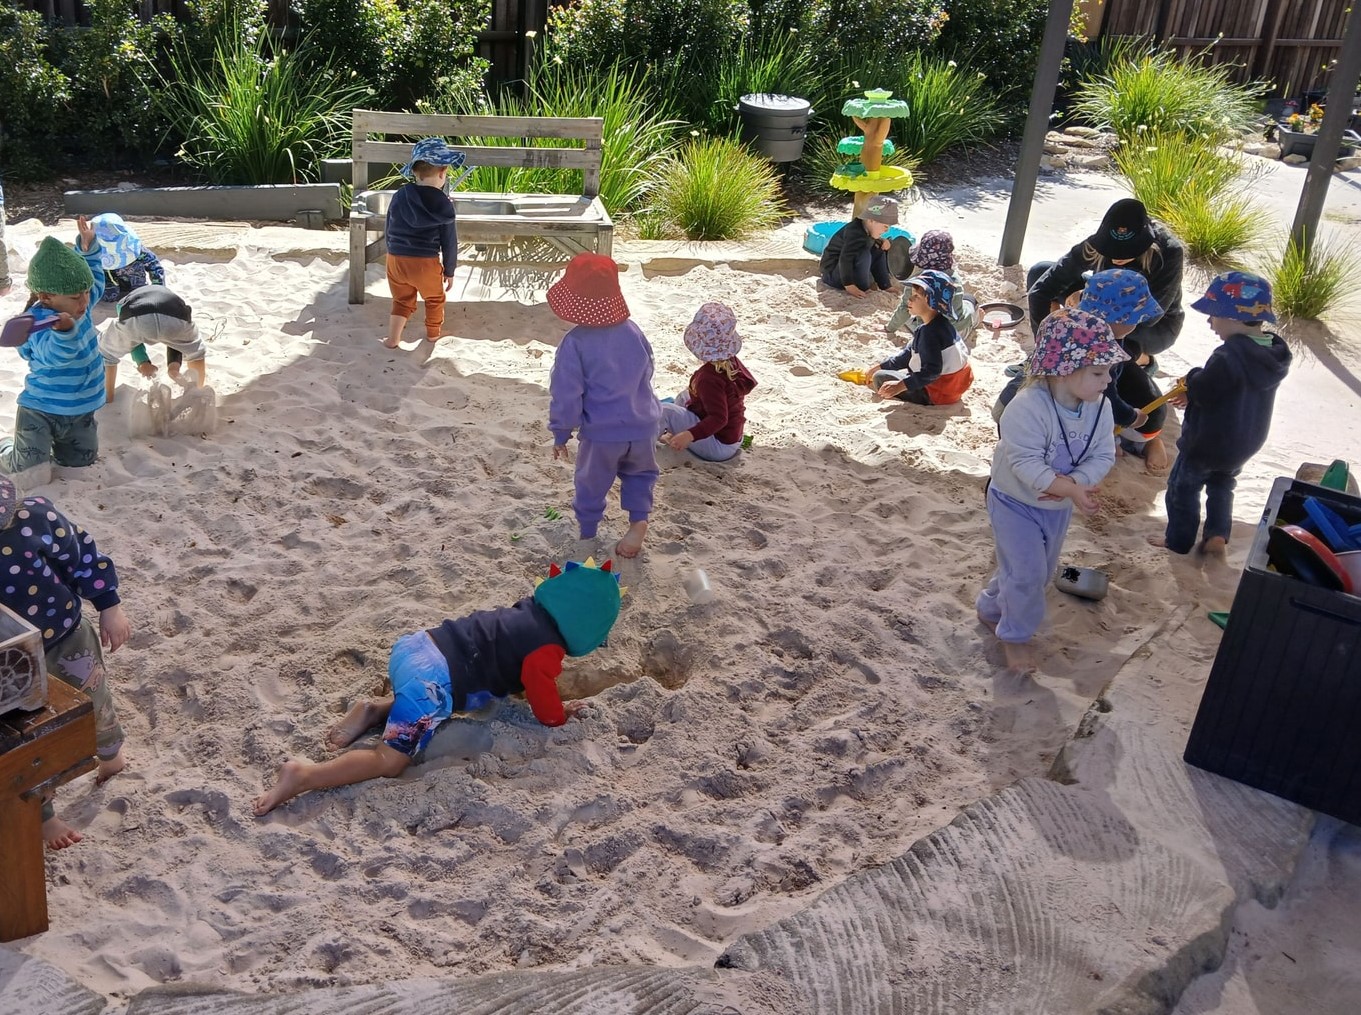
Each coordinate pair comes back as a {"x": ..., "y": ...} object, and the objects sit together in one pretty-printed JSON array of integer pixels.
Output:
[{"x": 697, "y": 587}]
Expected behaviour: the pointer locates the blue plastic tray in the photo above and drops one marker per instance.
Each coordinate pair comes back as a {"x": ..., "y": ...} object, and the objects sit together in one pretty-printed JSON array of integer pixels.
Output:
[{"x": 816, "y": 236}]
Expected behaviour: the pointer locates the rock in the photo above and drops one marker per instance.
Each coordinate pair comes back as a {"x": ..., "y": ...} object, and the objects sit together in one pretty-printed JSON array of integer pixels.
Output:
[
  {"x": 1350, "y": 162},
  {"x": 1295, "y": 160},
  {"x": 1260, "y": 148},
  {"x": 1083, "y": 131},
  {"x": 1081, "y": 142},
  {"x": 1052, "y": 148},
  {"x": 1092, "y": 161}
]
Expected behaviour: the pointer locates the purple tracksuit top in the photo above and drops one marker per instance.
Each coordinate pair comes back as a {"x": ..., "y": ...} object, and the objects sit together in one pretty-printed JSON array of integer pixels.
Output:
[{"x": 601, "y": 386}]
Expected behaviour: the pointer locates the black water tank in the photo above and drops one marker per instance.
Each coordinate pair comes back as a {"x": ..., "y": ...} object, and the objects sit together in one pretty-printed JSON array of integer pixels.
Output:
[{"x": 776, "y": 124}]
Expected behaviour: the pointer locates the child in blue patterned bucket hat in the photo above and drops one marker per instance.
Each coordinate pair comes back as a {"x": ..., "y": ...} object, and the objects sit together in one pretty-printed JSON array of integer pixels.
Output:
[
  {"x": 1057, "y": 443},
  {"x": 422, "y": 239},
  {"x": 128, "y": 264},
  {"x": 1228, "y": 405}
]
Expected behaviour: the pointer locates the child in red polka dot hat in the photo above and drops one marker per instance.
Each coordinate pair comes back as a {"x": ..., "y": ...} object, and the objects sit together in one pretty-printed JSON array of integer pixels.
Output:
[
  {"x": 47, "y": 565},
  {"x": 600, "y": 391}
]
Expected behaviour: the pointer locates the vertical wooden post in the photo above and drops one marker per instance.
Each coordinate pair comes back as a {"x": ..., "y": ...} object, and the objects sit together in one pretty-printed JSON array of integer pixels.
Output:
[{"x": 1036, "y": 126}]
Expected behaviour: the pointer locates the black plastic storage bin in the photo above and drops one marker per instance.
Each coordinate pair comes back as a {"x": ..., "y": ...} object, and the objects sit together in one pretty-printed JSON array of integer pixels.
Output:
[{"x": 1282, "y": 707}]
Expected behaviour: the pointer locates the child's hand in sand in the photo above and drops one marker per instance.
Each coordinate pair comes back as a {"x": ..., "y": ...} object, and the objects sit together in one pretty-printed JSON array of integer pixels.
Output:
[
  {"x": 114, "y": 628},
  {"x": 87, "y": 233},
  {"x": 680, "y": 441},
  {"x": 575, "y": 708},
  {"x": 856, "y": 291},
  {"x": 147, "y": 369},
  {"x": 561, "y": 452}
]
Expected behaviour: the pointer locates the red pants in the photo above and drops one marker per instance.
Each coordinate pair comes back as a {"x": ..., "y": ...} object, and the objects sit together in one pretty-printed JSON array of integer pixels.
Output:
[{"x": 412, "y": 276}]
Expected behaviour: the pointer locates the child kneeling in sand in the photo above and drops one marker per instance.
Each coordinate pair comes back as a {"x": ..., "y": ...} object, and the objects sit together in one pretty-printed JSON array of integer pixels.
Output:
[
  {"x": 933, "y": 369},
  {"x": 1057, "y": 444},
  {"x": 52, "y": 566},
  {"x": 460, "y": 666},
  {"x": 707, "y": 418},
  {"x": 151, "y": 313}
]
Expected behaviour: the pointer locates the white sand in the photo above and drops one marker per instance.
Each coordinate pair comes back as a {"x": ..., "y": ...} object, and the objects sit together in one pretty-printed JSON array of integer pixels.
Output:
[{"x": 834, "y": 703}]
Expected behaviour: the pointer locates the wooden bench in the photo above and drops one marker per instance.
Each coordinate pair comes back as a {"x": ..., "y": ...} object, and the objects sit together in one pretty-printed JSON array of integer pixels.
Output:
[
  {"x": 39, "y": 751},
  {"x": 568, "y": 224}
]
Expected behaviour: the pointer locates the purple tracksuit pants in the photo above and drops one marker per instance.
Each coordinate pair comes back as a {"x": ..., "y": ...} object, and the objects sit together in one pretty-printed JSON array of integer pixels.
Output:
[
  {"x": 1028, "y": 541},
  {"x": 598, "y": 462}
]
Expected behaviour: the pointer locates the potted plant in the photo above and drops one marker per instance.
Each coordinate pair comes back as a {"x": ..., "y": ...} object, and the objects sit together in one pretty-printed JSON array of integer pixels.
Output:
[{"x": 1298, "y": 133}]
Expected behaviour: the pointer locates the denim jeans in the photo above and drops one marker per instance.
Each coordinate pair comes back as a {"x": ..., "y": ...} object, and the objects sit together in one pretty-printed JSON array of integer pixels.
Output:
[
  {"x": 41, "y": 437},
  {"x": 1184, "y": 484}
]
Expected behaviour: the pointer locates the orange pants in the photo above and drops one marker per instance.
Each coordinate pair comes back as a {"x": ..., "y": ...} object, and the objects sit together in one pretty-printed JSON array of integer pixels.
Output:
[{"x": 412, "y": 276}]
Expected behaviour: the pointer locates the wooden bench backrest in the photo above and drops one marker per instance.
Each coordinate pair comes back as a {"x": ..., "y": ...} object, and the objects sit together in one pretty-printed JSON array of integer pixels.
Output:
[{"x": 589, "y": 129}]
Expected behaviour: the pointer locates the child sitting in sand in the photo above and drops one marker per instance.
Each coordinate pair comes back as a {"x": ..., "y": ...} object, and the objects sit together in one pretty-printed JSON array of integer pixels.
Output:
[
  {"x": 707, "y": 418},
  {"x": 1057, "y": 444},
  {"x": 422, "y": 239},
  {"x": 128, "y": 265},
  {"x": 151, "y": 314},
  {"x": 856, "y": 257},
  {"x": 460, "y": 666},
  {"x": 1228, "y": 406},
  {"x": 55, "y": 421},
  {"x": 55, "y": 565},
  {"x": 933, "y": 369},
  {"x": 601, "y": 388},
  {"x": 935, "y": 251}
]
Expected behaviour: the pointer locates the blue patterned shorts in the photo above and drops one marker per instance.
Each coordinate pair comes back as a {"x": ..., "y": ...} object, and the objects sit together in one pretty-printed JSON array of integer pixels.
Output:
[{"x": 423, "y": 697}]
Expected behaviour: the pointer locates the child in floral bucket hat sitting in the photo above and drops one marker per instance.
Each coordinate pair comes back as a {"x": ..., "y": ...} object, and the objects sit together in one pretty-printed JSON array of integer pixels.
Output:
[
  {"x": 708, "y": 417},
  {"x": 463, "y": 665},
  {"x": 932, "y": 369},
  {"x": 1228, "y": 405},
  {"x": 1057, "y": 443},
  {"x": 422, "y": 239}
]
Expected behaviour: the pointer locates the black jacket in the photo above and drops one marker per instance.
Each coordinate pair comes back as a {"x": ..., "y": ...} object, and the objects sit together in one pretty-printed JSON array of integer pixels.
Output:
[
  {"x": 846, "y": 245},
  {"x": 1229, "y": 402},
  {"x": 1164, "y": 281}
]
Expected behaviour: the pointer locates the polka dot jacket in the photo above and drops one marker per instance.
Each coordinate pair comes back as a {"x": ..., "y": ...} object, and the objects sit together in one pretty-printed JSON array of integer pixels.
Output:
[{"x": 47, "y": 565}]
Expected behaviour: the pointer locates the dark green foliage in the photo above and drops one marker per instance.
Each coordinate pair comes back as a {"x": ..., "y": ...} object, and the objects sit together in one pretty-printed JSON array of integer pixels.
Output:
[
  {"x": 33, "y": 92},
  {"x": 1000, "y": 38},
  {"x": 875, "y": 31}
]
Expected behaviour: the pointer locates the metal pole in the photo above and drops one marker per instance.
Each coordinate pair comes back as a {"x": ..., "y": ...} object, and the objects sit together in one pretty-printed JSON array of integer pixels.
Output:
[
  {"x": 1336, "y": 112},
  {"x": 1036, "y": 126}
]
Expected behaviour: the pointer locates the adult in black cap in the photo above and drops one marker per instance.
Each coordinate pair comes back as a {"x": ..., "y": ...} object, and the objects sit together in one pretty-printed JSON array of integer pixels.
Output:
[{"x": 1126, "y": 238}]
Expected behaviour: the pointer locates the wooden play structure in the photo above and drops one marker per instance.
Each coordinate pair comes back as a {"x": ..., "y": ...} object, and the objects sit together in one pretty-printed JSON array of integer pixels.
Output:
[{"x": 566, "y": 224}]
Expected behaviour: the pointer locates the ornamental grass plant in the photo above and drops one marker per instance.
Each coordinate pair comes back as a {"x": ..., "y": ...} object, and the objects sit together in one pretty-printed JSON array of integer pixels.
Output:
[
  {"x": 713, "y": 189},
  {"x": 1154, "y": 92},
  {"x": 1310, "y": 284},
  {"x": 949, "y": 105}
]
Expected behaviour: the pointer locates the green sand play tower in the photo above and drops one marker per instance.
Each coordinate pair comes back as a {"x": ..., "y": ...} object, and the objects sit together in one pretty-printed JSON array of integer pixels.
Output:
[{"x": 867, "y": 174}]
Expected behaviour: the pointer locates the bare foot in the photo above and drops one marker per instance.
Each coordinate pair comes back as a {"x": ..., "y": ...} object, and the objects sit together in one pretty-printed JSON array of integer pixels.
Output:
[
  {"x": 1157, "y": 541},
  {"x": 1215, "y": 545},
  {"x": 108, "y": 769},
  {"x": 362, "y": 716},
  {"x": 58, "y": 834},
  {"x": 1020, "y": 656},
  {"x": 991, "y": 625},
  {"x": 389, "y": 343},
  {"x": 1155, "y": 457},
  {"x": 632, "y": 542},
  {"x": 432, "y": 338},
  {"x": 288, "y": 785}
]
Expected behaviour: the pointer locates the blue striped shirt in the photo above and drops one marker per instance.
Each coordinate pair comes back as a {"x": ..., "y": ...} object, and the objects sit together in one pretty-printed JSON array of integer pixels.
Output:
[{"x": 65, "y": 370}]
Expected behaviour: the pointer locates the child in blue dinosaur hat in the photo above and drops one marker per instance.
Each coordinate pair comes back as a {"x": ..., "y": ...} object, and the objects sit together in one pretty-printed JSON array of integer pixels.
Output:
[
  {"x": 422, "y": 239},
  {"x": 1228, "y": 405},
  {"x": 461, "y": 666}
]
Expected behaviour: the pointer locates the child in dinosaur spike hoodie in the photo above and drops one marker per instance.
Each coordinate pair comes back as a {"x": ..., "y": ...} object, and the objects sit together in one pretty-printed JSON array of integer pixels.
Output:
[{"x": 460, "y": 666}]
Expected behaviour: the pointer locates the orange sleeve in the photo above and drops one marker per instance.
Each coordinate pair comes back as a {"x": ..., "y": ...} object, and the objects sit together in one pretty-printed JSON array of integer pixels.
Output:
[{"x": 539, "y": 674}]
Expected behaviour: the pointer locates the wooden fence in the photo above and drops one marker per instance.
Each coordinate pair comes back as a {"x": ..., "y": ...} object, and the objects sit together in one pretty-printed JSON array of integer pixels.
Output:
[{"x": 1291, "y": 44}]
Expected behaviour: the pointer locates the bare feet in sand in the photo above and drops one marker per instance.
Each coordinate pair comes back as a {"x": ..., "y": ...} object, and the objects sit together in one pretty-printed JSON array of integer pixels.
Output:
[
  {"x": 632, "y": 543},
  {"x": 1020, "y": 656},
  {"x": 362, "y": 716},
  {"x": 432, "y": 338},
  {"x": 58, "y": 834},
  {"x": 1217, "y": 546},
  {"x": 288, "y": 785},
  {"x": 1157, "y": 541},
  {"x": 108, "y": 769},
  {"x": 389, "y": 344},
  {"x": 991, "y": 625},
  {"x": 1155, "y": 457}
]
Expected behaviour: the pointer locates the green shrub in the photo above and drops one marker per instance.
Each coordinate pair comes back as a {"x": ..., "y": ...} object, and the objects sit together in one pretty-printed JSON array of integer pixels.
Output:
[
  {"x": 255, "y": 113},
  {"x": 999, "y": 38},
  {"x": 875, "y": 31},
  {"x": 773, "y": 62},
  {"x": 1154, "y": 92},
  {"x": 714, "y": 189},
  {"x": 1309, "y": 285},
  {"x": 1216, "y": 228},
  {"x": 1161, "y": 168},
  {"x": 34, "y": 93},
  {"x": 597, "y": 33},
  {"x": 949, "y": 106}
]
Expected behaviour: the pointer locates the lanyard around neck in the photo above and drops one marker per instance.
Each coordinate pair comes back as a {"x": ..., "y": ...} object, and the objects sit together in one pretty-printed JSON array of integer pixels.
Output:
[{"x": 1063, "y": 430}]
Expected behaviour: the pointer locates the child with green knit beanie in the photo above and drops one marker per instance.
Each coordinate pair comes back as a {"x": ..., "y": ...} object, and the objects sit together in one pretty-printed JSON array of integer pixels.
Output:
[{"x": 55, "y": 421}]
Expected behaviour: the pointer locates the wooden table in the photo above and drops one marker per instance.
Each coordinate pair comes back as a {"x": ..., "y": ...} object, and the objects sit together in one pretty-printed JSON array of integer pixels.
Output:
[{"x": 39, "y": 751}]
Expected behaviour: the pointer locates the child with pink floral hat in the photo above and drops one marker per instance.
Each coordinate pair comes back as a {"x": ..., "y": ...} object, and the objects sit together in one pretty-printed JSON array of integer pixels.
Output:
[
  {"x": 708, "y": 417},
  {"x": 1057, "y": 443}
]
